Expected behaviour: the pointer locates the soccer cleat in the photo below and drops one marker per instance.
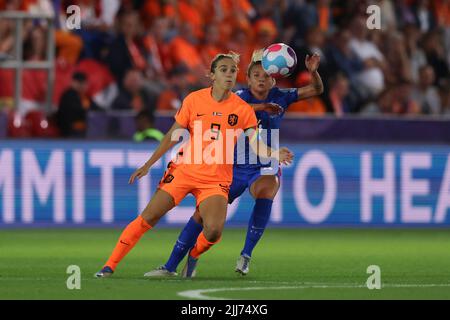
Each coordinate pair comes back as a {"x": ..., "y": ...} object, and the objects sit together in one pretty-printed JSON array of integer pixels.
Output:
[
  {"x": 160, "y": 272},
  {"x": 242, "y": 265},
  {"x": 189, "y": 268},
  {"x": 105, "y": 272}
]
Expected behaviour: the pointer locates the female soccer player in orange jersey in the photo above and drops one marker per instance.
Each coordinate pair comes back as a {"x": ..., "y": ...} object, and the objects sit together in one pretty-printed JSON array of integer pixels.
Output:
[
  {"x": 270, "y": 104},
  {"x": 209, "y": 112}
]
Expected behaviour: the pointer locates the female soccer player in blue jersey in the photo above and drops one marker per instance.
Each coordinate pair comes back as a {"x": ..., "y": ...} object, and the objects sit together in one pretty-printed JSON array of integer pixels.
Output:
[{"x": 270, "y": 104}]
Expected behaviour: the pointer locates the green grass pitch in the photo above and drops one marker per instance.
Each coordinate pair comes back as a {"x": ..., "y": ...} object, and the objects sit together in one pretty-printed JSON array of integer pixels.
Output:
[{"x": 287, "y": 264}]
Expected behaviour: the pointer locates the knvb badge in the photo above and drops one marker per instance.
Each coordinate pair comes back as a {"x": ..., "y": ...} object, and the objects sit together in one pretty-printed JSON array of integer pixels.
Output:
[{"x": 232, "y": 119}]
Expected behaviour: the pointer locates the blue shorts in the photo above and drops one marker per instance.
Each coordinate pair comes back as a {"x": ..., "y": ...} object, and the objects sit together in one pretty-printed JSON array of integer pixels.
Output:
[{"x": 243, "y": 178}]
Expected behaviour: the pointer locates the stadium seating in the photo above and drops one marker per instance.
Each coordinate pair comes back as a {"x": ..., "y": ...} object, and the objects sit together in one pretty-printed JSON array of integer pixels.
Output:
[
  {"x": 34, "y": 124},
  {"x": 41, "y": 126}
]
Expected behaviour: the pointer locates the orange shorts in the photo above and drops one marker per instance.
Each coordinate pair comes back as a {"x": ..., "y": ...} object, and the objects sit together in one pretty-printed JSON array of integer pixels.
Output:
[{"x": 179, "y": 185}]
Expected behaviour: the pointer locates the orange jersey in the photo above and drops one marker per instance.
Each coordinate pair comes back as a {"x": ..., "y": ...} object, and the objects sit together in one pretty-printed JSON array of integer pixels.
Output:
[{"x": 213, "y": 127}]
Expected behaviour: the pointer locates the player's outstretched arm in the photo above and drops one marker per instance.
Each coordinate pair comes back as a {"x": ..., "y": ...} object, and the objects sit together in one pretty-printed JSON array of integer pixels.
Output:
[
  {"x": 165, "y": 144},
  {"x": 269, "y": 107},
  {"x": 283, "y": 155},
  {"x": 316, "y": 87}
]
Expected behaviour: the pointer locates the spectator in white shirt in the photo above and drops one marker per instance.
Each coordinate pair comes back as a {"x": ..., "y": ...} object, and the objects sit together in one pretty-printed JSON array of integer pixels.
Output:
[
  {"x": 372, "y": 77},
  {"x": 425, "y": 93}
]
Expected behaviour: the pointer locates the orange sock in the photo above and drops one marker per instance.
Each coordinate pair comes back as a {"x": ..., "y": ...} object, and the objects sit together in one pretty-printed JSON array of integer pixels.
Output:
[
  {"x": 129, "y": 237},
  {"x": 202, "y": 245}
]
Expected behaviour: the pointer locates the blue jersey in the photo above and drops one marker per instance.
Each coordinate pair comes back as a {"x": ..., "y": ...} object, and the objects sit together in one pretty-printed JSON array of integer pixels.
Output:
[{"x": 282, "y": 97}]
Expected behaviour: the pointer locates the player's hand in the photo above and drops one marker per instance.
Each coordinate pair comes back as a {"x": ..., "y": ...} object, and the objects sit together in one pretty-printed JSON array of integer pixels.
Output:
[
  {"x": 139, "y": 173},
  {"x": 273, "y": 108},
  {"x": 312, "y": 62},
  {"x": 285, "y": 156}
]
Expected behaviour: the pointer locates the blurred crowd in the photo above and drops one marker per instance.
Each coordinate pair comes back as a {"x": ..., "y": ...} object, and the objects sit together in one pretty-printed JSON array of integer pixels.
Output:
[{"x": 147, "y": 55}]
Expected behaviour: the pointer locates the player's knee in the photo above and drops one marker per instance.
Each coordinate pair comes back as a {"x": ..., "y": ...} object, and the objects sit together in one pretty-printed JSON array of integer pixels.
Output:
[
  {"x": 267, "y": 193},
  {"x": 150, "y": 218},
  {"x": 213, "y": 234}
]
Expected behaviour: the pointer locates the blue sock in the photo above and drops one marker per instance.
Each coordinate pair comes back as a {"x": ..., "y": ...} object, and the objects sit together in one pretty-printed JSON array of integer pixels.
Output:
[
  {"x": 257, "y": 224},
  {"x": 185, "y": 241}
]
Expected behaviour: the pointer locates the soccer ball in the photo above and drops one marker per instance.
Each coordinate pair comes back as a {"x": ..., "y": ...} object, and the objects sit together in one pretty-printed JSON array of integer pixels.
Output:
[{"x": 279, "y": 60}]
